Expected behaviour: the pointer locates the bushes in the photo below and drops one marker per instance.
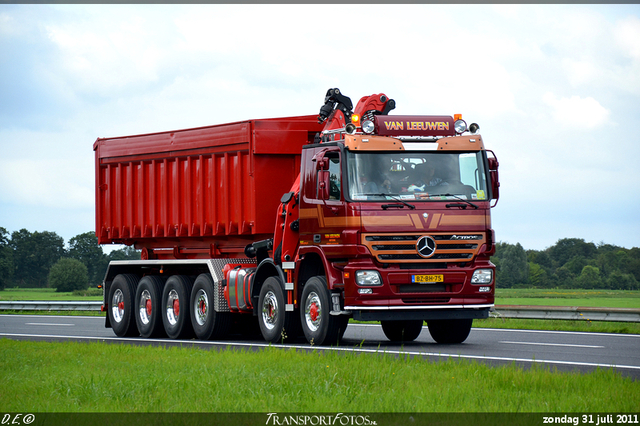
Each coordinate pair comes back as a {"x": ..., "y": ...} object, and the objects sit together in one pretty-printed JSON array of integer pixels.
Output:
[
  {"x": 26, "y": 257},
  {"x": 68, "y": 275}
]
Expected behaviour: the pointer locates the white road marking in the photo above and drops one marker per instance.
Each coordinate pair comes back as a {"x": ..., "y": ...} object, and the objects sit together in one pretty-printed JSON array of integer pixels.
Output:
[
  {"x": 551, "y": 344},
  {"x": 583, "y": 333},
  {"x": 48, "y": 323}
]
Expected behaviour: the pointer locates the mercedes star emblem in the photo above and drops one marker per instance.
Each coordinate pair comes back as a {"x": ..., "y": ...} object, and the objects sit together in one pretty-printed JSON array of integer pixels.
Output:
[{"x": 426, "y": 246}]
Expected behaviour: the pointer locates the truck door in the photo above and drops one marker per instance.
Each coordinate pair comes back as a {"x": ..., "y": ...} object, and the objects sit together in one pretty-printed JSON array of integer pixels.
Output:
[{"x": 323, "y": 212}]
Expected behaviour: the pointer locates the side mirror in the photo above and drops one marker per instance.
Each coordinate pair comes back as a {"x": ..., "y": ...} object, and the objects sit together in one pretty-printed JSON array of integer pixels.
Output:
[
  {"x": 322, "y": 162},
  {"x": 493, "y": 175}
]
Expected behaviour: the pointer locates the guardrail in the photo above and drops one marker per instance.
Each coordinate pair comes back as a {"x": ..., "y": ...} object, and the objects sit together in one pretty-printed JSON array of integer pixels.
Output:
[
  {"x": 577, "y": 313},
  {"x": 500, "y": 311}
]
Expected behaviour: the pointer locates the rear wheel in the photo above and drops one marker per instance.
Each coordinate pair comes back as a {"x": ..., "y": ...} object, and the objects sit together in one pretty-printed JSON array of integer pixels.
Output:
[
  {"x": 402, "y": 331},
  {"x": 273, "y": 319},
  {"x": 206, "y": 322},
  {"x": 149, "y": 306},
  {"x": 318, "y": 325},
  {"x": 450, "y": 331},
  {"x": 175, "y": 307},
  {"x": 121, "y": 305}
]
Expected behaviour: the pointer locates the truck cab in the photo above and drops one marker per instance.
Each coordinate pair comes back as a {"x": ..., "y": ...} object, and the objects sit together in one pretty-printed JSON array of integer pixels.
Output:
[{"x": 399, "y": 220}]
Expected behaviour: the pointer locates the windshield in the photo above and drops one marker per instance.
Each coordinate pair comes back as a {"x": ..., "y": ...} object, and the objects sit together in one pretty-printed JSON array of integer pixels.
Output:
[{"x": 414, "y": 175}]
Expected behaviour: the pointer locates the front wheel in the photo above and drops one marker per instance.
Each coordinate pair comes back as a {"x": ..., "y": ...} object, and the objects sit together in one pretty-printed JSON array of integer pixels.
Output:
[
  {"x": 402, "y": 331},
  {"x": 450, "y": 331},
  {"x": 318, "y": 325},
  {"x": 206, "y": 322},
  {"x": 273, "y": 318}
]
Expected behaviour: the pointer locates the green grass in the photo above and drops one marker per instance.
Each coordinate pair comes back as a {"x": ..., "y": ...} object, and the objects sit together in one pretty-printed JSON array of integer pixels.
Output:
[
  {"x": 49, "y": 294},
  {"x": 560, "y": 325},
  {"x": 569, "y": 297},
  {"x": 100, "y": 377}
]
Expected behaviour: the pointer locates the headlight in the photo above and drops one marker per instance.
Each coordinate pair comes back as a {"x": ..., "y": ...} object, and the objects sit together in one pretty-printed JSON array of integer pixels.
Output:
[
  {"x": 368, "y": 126},
  {"x": 368, "y": 278},
  {"x": 460, "y": 126},
  {"x": 482, "y": 276}
]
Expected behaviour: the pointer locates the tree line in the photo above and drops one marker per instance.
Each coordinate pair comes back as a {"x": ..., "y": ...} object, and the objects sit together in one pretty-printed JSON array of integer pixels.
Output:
[
  {"x": 40, "y": 259},
  {"x": 570, "y": 263}
]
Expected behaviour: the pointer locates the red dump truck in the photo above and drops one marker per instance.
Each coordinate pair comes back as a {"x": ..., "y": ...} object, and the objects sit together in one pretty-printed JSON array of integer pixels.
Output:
[{"x": 300, "y": 223}]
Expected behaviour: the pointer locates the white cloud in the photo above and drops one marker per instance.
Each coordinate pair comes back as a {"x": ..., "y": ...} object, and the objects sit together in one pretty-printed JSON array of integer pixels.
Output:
[
  {"x": 528, "y": 74},
  {"x": 46, "y": 183},
  {"x": 577, "y": 112},
  {"x": 580, "y": 72},
  {"x": 627, "y": 33}
]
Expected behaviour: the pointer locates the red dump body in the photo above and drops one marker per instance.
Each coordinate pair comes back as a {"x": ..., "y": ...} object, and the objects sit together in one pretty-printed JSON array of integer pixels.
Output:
[{"x": 198, "y": 193}]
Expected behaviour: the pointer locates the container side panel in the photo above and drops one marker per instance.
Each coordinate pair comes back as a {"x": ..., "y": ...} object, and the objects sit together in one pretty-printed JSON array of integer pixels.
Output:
[
  {"x": 214, "y": 188},
  {"x": 274, "y": 176},
  {"x": 180, "y": 140}
]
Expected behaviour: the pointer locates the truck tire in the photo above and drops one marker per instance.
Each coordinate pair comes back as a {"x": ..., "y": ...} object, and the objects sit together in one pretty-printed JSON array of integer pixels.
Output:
[
  {"x": 175, "y": 307},
  {"x": 273, "y": 319},
  {"x": 206, "y": 322},
  {"x": 121, "y": 305},
  {"x": 318, "y": 325},
  {"x": 149, "y": 306},
  {"x": 402, "y": 331},
  {"x": 450, "y": 331}
]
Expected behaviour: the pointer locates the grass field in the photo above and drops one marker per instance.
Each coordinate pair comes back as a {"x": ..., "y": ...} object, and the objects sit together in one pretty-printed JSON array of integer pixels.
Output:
[
  {"x": 48, "y": 294},
  {"x": 100, "y": 377},
  {"x": 568, "y": 297}
]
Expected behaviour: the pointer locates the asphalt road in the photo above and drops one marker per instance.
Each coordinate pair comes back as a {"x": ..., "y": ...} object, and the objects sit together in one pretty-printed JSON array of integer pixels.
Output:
[{"x": 564, "y": 351}]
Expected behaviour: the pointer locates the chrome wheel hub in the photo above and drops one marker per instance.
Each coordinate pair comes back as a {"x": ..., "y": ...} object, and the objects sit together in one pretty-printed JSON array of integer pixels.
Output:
[
  {"x": 117, "y": 305},
  {"x": 313, "y": 311},
  {"x": 270, "y": 310},
  {"x": 144, "y": 307},
  {"x": 173, "y": 307},
  {"x": 201, "y": 307}
]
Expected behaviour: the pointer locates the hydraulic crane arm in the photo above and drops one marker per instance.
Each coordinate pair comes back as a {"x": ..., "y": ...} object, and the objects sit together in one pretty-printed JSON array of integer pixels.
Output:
[
  {"x": 335, "y": 101},
  {"x": 337, "y": 112}
]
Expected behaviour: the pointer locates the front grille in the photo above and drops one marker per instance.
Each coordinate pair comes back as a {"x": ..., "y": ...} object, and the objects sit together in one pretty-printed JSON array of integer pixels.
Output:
[
  {"x": 392, "y": 237},
  {"x": 459, "y": 246},
  {"x": 401, "y": 248},
  {"x": 398, "y": 256},
  {"x": 393, "y": 247}
]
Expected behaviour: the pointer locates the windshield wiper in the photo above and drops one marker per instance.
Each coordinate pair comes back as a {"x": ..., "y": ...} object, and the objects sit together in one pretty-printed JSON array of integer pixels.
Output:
[
  {"x": 394, "y": 197},
  {"x": 458, "y": 204}
]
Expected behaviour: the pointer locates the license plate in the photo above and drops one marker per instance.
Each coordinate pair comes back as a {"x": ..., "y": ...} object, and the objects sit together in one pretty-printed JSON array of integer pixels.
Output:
[{"x": 427, "y": 278}]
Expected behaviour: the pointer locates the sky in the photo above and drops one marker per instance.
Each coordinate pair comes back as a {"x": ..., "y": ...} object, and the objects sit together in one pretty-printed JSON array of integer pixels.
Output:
[{"x": 554, "y": 88}]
